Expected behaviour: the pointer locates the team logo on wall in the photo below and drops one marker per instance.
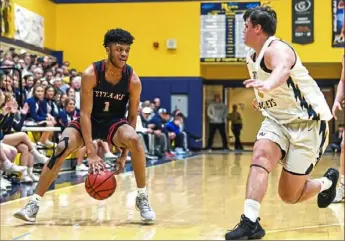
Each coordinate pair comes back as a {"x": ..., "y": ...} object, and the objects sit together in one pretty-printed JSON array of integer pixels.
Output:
[
  {"x": 303, "y": 21},
  {"x": 338, "y": 23}
]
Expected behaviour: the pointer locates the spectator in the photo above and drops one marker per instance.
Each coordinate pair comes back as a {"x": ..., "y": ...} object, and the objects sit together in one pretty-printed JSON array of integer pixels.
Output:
[
  {"x": 69, "y": 113},
  {"x": 217, "y": 112},
  {"x": 337, "y": 138},
  {"x": 236, "y": 126},
  {"x": 39, "y": 114}
]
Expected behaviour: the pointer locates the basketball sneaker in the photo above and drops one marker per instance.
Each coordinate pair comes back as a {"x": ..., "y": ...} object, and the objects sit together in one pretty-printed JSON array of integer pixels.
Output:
[
  {"x": 246, "y": 229},
  {"x": 146, "y": 212},
  {"x": 29, "y": 212},
  {"x": 339, "y": 197},
  {"x": 325, "y": 198}
]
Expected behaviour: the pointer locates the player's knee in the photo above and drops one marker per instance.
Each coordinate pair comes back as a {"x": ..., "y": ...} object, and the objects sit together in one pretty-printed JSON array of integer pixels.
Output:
[
  {"x": 133, "y": 141},
  {"x": 287, "y": 197},
  {"x": 261, "y": 159}
]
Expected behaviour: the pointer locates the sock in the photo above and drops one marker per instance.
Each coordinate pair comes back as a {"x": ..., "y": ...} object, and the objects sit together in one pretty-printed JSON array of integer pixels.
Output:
[
  {"x": 36, "y": 198},
  {"x": 7, "y": 164},
  {"x": 30, "y": 170},
  {"x": 342, "y": 182},
  {"x": 251, "y": 209},
  {"x": 141, "y": 190},
  {"x": 325, "y": 183}
]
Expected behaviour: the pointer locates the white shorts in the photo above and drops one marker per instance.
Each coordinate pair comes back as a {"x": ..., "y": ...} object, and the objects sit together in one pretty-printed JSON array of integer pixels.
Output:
[{"x": 302, "y": 143}]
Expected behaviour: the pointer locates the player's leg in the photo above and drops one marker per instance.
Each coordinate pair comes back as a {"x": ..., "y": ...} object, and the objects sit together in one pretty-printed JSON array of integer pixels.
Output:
[
  {"x": 340, "y": 190},
  {"x": 222, "y": 131},
  {"x": 125, "y": 136},
  {"x": 211, "y": 132},
  {"x": 309, "y": 142},
  {"x": 70, "y": 141},
  {"x": 266, "y": 155}
]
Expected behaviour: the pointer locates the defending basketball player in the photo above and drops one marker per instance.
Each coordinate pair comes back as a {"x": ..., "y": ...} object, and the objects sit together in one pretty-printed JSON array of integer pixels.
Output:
[
  {"x": 107, "y": 86},
  {"x": 295, "y": 130},
  {"x": 337, "y": 106}
]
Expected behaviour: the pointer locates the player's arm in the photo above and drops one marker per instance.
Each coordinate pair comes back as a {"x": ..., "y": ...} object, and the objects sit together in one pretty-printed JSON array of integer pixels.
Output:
[
  {"x": 340, "y": 94},
  {"x": 280, "y": 58},
  {"x": 134, "y": 100},
  {"x": 341, "y": 86},
  {"x": 88, "y": 82}
]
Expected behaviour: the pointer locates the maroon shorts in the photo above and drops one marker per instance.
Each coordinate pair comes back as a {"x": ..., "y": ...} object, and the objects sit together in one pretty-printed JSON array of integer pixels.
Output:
[{"x": 101, "y": 129}]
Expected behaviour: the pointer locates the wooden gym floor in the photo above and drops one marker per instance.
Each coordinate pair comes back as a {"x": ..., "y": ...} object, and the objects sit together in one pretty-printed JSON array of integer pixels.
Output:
[{"x": 197, "y": 198}]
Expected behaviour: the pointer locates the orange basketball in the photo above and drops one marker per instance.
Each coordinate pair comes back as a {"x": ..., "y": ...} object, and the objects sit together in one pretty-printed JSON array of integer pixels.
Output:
[{"x": 100, "y": 186}]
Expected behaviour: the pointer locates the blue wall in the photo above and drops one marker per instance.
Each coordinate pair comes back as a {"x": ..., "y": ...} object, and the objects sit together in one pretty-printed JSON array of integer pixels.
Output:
[{"x": 164, "y": 87}]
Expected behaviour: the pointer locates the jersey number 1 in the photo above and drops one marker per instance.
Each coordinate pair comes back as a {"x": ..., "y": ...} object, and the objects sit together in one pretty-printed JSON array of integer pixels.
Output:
[{"x": 106, "y": 107}]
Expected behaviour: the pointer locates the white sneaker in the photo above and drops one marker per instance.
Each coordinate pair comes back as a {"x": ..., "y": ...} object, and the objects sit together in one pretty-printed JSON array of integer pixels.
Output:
[
  {"x": 39, "y": 157},
  {"x": 81, "y": 167},
  {"x": 109, "y": 155},
  {"x": 15, "y": 168},
  {"x": 5, "y": 182},
  {"x": 339, "y": 196},
  {"x": 3, "y": 186},
  {"x": 34, "y": 177},
  {"x": 26, "y": 179}
]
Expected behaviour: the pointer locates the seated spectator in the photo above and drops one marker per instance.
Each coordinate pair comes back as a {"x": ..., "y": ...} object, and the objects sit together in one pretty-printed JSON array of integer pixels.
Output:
[
  {"x": 69, "y": 113},
  {"x": 70, "y": 93},
  {"x": 38, "y": 113},
  {"x": 52, "y": 108},
  {"x": 161, "y": 140},
  {"x": 174, "y": 133},
  {"x": 337, "y": 138},
  {"x": 60, "y": 104},
  {"x": 28, "y": 86}
]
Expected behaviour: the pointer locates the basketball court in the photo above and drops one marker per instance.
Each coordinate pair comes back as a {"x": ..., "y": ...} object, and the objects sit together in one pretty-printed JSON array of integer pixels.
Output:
[{"x": 196, "y": 198}]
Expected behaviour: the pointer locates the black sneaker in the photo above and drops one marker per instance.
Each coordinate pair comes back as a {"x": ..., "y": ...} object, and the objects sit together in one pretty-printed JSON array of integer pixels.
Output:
[
  {"x": 326, "y": 197},
  {"x": 246, "y": 229}
]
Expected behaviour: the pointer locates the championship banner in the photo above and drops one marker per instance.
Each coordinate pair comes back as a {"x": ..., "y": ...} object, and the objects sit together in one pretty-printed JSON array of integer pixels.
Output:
[
  {"x": 29, "y": 26},
  {"x": 338, "y": 24},
  {"x": 303, "y": 21}
]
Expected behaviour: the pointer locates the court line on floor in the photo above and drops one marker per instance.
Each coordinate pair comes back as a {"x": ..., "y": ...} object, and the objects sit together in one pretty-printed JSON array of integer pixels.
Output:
[
  {"x": 306, "y": 227},
  {"x": 21, "y": 236},
  {"x": 64, "y": 188}
]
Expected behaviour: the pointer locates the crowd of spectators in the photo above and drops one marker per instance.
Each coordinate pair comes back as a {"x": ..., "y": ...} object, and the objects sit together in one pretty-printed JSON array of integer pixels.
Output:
[{"x": 50, "y": 96}]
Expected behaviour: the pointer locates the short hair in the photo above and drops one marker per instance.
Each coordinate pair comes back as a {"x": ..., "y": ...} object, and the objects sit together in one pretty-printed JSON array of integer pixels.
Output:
[
  {"x": 117, "y": 36},
  {"x": 263, "y": 15}
]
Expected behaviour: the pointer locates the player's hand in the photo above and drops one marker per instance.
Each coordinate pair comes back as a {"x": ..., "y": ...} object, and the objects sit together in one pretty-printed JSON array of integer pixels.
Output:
[
  {"x": 120, "y": 164},
  {"x": 258, "y": 84},
  {"x": 336, "y": 106},
  {"x": 255, "y": 104},
  {"x": 96, "y": 164}
]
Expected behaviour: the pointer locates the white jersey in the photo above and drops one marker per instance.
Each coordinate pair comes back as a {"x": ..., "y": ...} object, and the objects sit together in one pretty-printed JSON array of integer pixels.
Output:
[{"x": 298, "y": 98}]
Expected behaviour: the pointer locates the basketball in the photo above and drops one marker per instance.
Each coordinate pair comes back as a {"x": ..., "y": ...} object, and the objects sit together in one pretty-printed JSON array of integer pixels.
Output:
[{"x": 100, "y": 186}]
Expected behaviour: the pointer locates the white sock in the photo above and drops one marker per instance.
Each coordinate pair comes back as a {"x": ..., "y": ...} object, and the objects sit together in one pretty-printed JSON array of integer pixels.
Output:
[
  {"x": 342, "y": 180},
  {"x": 325, "y": 183},
  {"x": 251, "y": 209},
  {"x": 142, "y": 190},
  {"x": 36, "y": 198},
  {"x": 7, "y": 164}
]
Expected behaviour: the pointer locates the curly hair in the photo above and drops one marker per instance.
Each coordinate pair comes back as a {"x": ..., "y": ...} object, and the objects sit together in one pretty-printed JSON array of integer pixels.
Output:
[
  {"x": 117, "y": 35},
  {"x": 264, "y": 16}
]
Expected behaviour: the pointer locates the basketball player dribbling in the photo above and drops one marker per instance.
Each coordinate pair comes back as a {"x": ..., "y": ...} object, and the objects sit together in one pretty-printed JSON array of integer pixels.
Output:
[
  {"x": 294, "y": 131},
  {"x": 106, "y": 88},
  {"x": 339, "y": 98}
]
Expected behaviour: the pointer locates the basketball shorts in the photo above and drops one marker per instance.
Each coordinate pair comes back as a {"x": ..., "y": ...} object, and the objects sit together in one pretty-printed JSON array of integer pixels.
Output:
[
  {"x": 302, "y": 143},
  {"x": 101, "y": 129}
]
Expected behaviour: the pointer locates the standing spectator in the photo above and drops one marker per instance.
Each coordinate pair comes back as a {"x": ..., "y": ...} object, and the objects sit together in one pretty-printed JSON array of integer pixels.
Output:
[
  {"x": 217, "y": 112},
  {"x": 337, "y": 138},
  {"x": 236, "y": 126}
]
